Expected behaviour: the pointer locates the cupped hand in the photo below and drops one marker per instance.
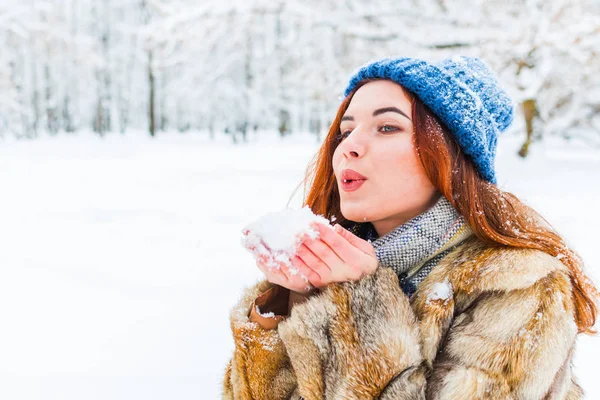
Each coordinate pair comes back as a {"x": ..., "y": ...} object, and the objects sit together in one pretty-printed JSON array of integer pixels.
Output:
[
  {"x": 336, "y": 256},
  {"x": 283, "y": 275}
]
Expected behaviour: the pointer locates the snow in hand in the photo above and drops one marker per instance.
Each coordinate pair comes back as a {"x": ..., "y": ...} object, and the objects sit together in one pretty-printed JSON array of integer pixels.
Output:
[{"x": 276, "y": 236}]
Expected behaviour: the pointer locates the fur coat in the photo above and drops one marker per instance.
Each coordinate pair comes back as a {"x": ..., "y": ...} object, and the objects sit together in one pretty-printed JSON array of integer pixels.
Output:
[{"x": 486, "y": 323}]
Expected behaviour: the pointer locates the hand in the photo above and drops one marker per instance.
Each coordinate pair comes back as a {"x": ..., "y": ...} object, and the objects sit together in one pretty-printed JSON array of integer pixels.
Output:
[
  {"x": 337, "y": 256},
  {"x": 283, "y": 276}
]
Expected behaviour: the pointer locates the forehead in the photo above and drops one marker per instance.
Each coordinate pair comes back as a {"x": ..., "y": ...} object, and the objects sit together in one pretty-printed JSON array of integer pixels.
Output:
[{"x": 379, "y": 94}]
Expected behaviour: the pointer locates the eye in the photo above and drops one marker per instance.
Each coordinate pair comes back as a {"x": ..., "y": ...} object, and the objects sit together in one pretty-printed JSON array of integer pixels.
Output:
[
  {"x": 344, "y": 134},
  {"x": 389, "y": 128}
]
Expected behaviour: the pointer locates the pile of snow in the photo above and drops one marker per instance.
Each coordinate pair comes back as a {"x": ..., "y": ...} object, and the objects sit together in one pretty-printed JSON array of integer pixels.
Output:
[{"x": 275, "y": 237}]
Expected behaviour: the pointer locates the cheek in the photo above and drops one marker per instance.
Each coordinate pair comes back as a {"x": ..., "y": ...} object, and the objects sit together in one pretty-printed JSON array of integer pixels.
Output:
[
  {"x": 335, "y": 160},
  {"x": 403, "y": 169}
]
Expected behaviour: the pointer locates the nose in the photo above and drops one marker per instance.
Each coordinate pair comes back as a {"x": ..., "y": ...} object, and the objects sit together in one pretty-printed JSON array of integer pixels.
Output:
[{"x": 354, "y": 146}]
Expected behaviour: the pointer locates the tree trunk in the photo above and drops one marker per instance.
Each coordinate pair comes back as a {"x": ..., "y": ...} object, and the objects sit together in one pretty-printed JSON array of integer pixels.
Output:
[
  {"x": 529, "y": 111},
  {"x": 151, "y": 85}
]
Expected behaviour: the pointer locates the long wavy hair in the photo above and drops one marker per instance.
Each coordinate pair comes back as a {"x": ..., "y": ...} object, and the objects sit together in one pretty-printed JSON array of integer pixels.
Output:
[{"x": 496, "y": 217}]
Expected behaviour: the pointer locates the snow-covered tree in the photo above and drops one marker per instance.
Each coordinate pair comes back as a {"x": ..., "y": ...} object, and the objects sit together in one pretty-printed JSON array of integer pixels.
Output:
[{"x": 248, "y": 66}]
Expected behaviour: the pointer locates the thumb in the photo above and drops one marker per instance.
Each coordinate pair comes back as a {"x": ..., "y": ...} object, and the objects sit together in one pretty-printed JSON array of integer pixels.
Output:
[{"x": 354, "y": 240}]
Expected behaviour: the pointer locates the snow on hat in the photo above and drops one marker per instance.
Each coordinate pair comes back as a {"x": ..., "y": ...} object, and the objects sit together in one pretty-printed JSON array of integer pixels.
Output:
[{"x": 462, "y": 91}]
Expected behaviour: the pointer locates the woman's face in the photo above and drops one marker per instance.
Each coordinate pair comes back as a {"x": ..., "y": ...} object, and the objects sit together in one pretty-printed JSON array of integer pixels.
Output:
[{"x": 377, "y": 142}]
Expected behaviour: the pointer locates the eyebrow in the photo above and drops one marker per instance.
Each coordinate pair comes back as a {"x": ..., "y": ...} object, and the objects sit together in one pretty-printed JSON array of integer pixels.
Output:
[{"x": 377, "y": 112}]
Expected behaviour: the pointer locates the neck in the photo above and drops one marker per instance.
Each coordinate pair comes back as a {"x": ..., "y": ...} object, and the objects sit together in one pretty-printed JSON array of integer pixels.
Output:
[{"x": 386, "y": 225}]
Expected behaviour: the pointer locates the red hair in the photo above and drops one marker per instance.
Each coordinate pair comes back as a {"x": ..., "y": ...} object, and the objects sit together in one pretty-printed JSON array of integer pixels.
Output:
[{"x": 496, "y": 217}]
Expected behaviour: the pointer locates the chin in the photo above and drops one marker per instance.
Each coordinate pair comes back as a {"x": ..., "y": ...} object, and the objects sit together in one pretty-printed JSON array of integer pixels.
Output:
[{"x": 354, "y": 214}]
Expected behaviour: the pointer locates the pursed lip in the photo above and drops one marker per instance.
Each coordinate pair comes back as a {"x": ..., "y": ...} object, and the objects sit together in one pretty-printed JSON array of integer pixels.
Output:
[
  {"x": 351, "y": 180},
  {"x": 351, "y": 175}
]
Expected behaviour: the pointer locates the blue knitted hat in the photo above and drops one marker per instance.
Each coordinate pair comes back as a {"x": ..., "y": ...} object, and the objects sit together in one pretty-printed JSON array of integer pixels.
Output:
[{"x": 462, "y": 91}]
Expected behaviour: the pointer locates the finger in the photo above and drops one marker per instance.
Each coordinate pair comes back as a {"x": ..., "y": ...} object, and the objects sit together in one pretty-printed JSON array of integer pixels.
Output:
[
  {"x": 261, "y": 258},
  {"x": 309, "y": 275},
  {"x": 343, "y": 248},
  {"x": 354, "y": 240},
  {"x": 296, "y": 269},
  {"x": 261, "y": 266},
  {"x": 314, "y": 263},
  {"x": 297, "y": 280},
  {"x": 285, "y": 270},
  {"x": 325, "y": 253},
  {"x": 273, "y": 275}
]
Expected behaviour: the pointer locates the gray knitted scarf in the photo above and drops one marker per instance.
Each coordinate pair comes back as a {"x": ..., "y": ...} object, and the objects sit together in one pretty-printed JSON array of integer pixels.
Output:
[{"x": 414, "y": 248}]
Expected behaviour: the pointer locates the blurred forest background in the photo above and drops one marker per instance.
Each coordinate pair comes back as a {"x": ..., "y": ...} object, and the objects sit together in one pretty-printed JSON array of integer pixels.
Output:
[{"x": 240, "y": 68}]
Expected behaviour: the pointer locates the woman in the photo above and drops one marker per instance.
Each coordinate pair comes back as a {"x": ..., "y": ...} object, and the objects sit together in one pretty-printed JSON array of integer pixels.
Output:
[{"x": 435, "y": 284}]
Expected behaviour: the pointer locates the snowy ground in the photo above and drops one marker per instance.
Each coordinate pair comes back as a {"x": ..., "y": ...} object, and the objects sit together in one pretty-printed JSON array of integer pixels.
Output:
[{"x": 121, "y": 257}]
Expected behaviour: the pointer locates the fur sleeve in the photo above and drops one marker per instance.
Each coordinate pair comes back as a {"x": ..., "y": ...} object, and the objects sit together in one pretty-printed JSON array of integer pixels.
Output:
[
  {"x": 260, "y": 368},
  {"x": 356, "y": 340},
  {"x": 510, "y": 344}
]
